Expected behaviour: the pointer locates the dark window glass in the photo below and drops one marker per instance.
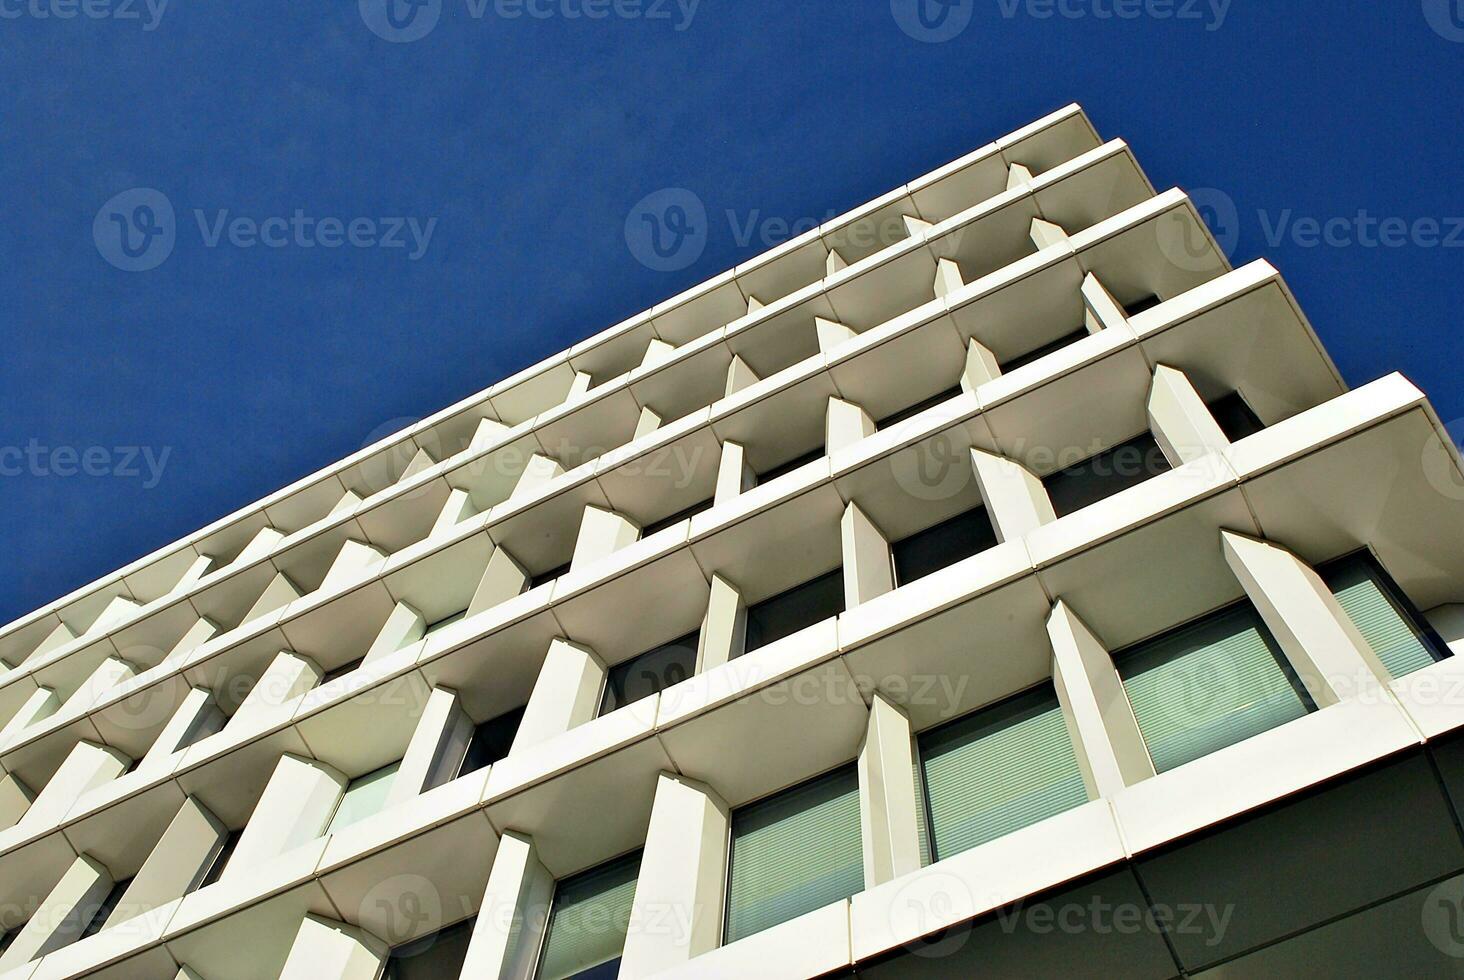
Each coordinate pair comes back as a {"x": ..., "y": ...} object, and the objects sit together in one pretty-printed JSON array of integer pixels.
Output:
[
  {"x": 109, "y": 905},
  {"x": 1140, "y": 305},
  {"x": 216, "y": 870},
  {"x": 1102, "y": 476},
  {"x": 798, "y": 608},
  {"x": 676, "y": 518},
  {"x": 341, "y": 671},
  {"x": 1235, "y": 417},
  {"x": 915, "y": 409},
  {"x": 433, "y": 957},
  {"x": 945, "y": 544},
  {"x": 491, "y": 741},
  {"x": 650, "y": 673},
  {"x": 790, "y": 466},
  {"x": 447, "y": 621},
  {"x": 587, "y": 922},
  {"x": 549, "y": 576},
  {"x": 6, "y": 938},
  {"x": 1044, "y": 350}
]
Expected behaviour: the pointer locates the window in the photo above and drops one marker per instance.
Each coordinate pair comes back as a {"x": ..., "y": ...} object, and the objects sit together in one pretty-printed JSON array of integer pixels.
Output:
[
  {"x": 341, "y": 671},
  {"x": 491, "y": 741},
  {"x": 798, "y": 608},
  {"x": 998, "y": 770},
  {"x": 1387, "y": 620},
  {"x": 1208, "y": 685},
  {"x": 441, "y": 954},
  {"x": 790, "y": 466},
  {"x": 446, "y": 621},
  {"x": 1141, "y": 305},
  {"x": 1100, "y": 477},
  {"x": 549, "y": 576},
  {"x": 928, "y": 551},
  {"x": 1235, "y": 417},
  {"x": 588, "y": 920},
  {"x": 1036, "y": 355},
  {"x": 221, "y": 860},
  {"x": 364, "y": 797},
  {"x": 906, "y": 414},
  {"x": 650, "y": 673},
  {"x": 108, "y": 906},
  {"x": 676, "y": 518},
  {"x": 793, "y": 853}
]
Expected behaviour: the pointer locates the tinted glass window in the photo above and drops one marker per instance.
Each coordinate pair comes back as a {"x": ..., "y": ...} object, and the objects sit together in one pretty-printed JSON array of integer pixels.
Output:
[
  {"x": 587, "y": 923},
  {"x": 945, "y": 544},
  {"x": 491, "y": 741},
  {"x": 650, "y": 673},
  {"x": 1041, "y": 352},
  {"x": 1106, "y": 474},
  {"x": 676, "y": 518},
  {"x": 920, "y": 406},
  {"x": 1235, "y": 417},
  {"x": 433, "y": 957},
  {"x": 798, "y": 608},
  {"x": 790, "y": 466}
]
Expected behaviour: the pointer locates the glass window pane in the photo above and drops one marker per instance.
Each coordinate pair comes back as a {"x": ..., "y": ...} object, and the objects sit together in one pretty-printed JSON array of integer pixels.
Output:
[
  {"x": 433, "y": 957},
  {"x": 1209, "y": 685},
  {"x": 1109, "y": 472},
  {"x": 795, "y": 852},
  {"x": 943, "y": 545},
  {"x": 364, "y": 797},
  {"x": 798, "y": 608},
  {"x": 910, "y": 411},
  {"x": 588, "y": 922},
  {"x": 1033, "y": 356},
  {"x": 1235, "y": 417},
  {"x": 999, "y": 770},
  {"x": 650, "y": 673},
  {"x": 491, "y": 741},
  {"x": 1375, "y": 607}
]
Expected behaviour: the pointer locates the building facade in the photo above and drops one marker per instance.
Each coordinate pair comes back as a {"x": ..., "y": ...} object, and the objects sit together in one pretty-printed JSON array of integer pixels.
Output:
[{"x": 991, "y": 582}]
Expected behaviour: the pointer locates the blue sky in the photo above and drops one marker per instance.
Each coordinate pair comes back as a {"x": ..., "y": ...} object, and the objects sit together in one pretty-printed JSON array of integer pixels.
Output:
[{"x": 462, "y": 199}]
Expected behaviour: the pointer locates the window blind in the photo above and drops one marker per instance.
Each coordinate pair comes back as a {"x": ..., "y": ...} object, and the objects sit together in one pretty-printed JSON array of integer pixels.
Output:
[
  {"x": 999, "y": 770},
  {"x": 588, "y": 921},
  {"x": 793, "y": 853},
  {"x": 1209, "y": 685},
  {"x": 1368, "y": 599}
]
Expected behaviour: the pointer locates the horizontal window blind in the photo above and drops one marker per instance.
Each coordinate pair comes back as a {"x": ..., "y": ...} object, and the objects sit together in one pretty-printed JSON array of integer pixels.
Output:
[
  {"x": 588, "y": 921},
  {"x": 793, "y": 853},
  {"x": 1367, "y": 599},
  {"x": 999, "y": 770},
  {"x": 1209, "y": 685}
]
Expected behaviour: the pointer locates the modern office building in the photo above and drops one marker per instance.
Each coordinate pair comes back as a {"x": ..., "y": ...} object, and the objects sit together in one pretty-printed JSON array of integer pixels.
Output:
[{"x": 991, "y": 582}]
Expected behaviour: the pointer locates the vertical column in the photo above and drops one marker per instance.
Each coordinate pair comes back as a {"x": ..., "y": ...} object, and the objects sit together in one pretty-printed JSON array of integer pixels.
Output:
[
  {"x": 197, "y": 717},
  {"x": 580, "y": 386},
  {"x": 1101, "y": 310},
  {"x": 658, "y": 351},
  {"x": 684, "y": 868},
  {"x": 421, "y": 461},
  {"x": 739, "y": 376},
  {"x": 294, "y": 809},
  {"x": 981, "y": 366},
  {"x": 40, "y": 705},
  {"x": 176, "y": 865},
  {"x": 63, "y": 915},
  {"x": 831, "y": 334},
  {"x": 538, "y": 471},
  {"x": 503, "y": 579},
  {"x": 1182, "y": 423},
  {"x": 438, "y": 745},
  {"x": 459, "y": 507},
  {"x": 868, "y": 565},
  {"x": 55, "y": 640},
  {"x": 197, "y": 635},
  {"x": 279, "y": 593},
  {"x": 888, "y": 812},
  {"x": 734, "y": 476},
  {"x": 15, "y": 799},
  {"x": 1015, "y": 498},
  {"x": 648, "y": 422},
  {"x": 486, "y": 434},
  {"x": 1018, "y": 176},
  {"x": 196, "y": 570},
  {"x": 1111, "y": 750},
  {"x": 566, "y": 695},
  {"x": 948, "y": 278},
  {"x": 287, "y": 677},
  {"x": 352, "y": 561},
  {"x": 261, "y": 544},
  {"x": 916, "y": 227},
  {"x": 601, "y": 534},
  {"x": 512, "y": 916},
  {"x": 1045, "y": 233},
  {"x": 403, "y": 627},
  {"x": 723, "y": 634},
  {"x": 345, "y": 504},
  {"x": 110, "y": 673},
  {"x": 1323, "y": 645},
  {"x": 845, "y": 425},
  {"x": 117, "y": 611},
  {"x": 834, "y": 264},
  {"x": 87, "y": 767},
  {"x": 328, "y": 950}
]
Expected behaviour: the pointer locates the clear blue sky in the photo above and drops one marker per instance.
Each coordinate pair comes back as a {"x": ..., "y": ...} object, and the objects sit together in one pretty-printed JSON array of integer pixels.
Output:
[{"x": 524, "y": 142}]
